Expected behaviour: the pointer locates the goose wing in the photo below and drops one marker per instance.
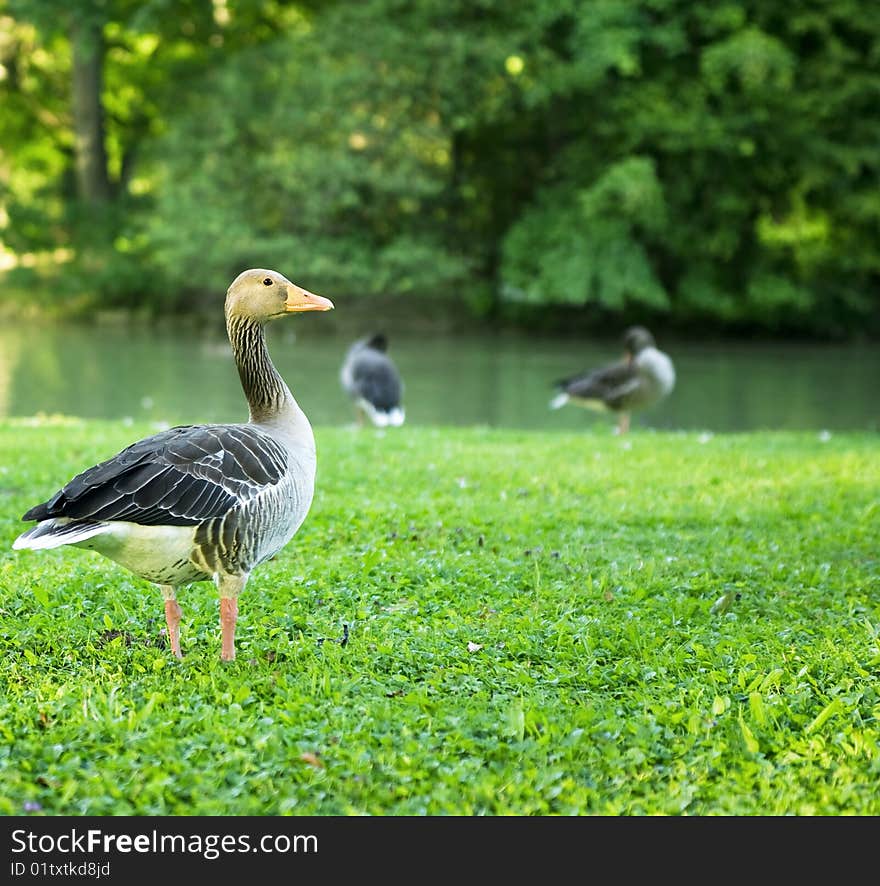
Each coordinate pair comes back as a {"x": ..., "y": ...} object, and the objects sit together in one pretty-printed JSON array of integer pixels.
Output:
[
  {"x": 611, "y": 384},
  {"x": 178, "y": 477}
]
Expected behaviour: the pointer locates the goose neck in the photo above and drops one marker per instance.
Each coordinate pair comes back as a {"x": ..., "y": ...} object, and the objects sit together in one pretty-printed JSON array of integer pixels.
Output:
[{"x": 268, "y": 397}]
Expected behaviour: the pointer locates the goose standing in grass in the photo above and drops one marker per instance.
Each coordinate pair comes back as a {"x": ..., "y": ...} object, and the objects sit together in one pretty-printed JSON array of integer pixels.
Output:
[
  {"x": 202, "y": 502},
  {"x": 371, "y": 379},
  {"x": 642, "y": 378}
]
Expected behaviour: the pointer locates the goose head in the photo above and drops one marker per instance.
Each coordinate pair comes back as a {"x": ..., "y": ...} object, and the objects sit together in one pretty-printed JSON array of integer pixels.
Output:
[
  {"x": 635, "y": 340},
  {"x": 260, "y": 295},
  {"x": 378, "y": 342}
]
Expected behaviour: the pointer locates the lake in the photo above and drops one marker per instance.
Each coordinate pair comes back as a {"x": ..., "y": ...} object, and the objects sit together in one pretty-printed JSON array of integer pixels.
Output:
[{"x": 178, "y": 377}]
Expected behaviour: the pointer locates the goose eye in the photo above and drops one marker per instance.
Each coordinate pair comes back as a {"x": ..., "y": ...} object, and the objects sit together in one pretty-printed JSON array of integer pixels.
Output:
[{"x": 267, "y": 281}]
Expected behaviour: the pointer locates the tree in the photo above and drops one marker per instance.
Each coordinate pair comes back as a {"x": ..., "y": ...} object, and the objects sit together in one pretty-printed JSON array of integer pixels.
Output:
[
  {"x": 694, "y": 162},
  {"x": 92, "y": 82},
  {"x": 87, "y": 50}
]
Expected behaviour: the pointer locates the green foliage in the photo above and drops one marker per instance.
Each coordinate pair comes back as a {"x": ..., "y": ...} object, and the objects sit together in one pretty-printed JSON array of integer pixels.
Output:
[
  {"x": 328, "y": 150},
  {"x": 588, "y": 246},
  {"x": 748, "y": 62},
  {"x": 711, "y": 162},
  {"x": 539, "y": 624},
  {"x": 726, "y": 101}
]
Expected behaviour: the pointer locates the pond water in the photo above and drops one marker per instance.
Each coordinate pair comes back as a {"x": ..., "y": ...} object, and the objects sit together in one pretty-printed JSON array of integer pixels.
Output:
[{"x": 179, "y": 377}]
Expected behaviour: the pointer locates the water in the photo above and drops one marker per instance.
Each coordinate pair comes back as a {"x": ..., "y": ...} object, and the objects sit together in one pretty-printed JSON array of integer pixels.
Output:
[{"x": 179, "y": 377}]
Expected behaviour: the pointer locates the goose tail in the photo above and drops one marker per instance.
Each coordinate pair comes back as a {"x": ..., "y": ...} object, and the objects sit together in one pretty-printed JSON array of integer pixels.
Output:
[
  {"x": 55, "y": 533},
  {"x": 383, "y": 418}
]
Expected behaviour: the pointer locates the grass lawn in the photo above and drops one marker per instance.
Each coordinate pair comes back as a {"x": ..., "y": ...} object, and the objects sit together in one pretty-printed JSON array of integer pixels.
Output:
[{"x": 538, "y": 623}]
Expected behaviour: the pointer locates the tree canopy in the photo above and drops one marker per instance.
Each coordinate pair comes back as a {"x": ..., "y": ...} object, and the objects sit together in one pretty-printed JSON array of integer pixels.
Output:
[{"x": 703, "y": 161}]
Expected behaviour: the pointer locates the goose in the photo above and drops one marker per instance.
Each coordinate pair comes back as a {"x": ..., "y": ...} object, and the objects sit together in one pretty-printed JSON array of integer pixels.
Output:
[
  {"x": 371, "y": 380},
  {"x": 205, "y": 502},
  {"x": 642, "y": 378}
]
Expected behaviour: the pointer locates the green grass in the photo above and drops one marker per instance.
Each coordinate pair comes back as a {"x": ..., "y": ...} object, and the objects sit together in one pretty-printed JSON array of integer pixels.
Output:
[{"x": 538, "y": 624}]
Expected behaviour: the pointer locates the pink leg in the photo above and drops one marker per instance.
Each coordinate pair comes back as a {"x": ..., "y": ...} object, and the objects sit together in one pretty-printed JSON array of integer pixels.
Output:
[
  {"x": 228, "y": 617},
  {"x": 172, "y": 620},
  {"x": 229, "y": 586}
]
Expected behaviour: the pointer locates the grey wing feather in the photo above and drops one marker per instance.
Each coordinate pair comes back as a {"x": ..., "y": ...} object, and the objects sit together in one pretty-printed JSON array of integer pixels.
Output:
[
  {"x": 611, "y": 384},
  {"x": 178, "y": 477}
]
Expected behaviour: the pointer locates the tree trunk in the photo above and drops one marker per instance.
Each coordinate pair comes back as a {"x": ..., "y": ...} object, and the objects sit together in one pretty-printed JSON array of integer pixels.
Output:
[{"x": 92, "y": 179}]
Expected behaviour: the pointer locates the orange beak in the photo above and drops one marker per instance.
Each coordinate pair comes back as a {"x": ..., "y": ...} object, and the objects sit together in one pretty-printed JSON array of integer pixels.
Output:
[{"x": 299, "y": 300}]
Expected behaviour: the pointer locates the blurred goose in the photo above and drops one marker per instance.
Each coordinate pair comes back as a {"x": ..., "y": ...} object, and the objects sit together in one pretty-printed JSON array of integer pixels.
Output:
[
  {"x": 202, "y": 502},
  {"x": 642, "y": 378},
  {"x": 371, "y": 379}
]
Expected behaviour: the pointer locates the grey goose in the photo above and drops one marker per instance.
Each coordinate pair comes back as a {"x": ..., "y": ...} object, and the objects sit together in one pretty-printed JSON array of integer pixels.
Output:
[
  {"x": 372, "y": 381},
  {"x": 206, "y": 502},
  {"x": 642, "y": 378}
]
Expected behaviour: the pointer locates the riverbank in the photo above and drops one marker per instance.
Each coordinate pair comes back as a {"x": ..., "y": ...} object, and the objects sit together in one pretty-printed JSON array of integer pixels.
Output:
[{"x": 40, "y": 302}]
